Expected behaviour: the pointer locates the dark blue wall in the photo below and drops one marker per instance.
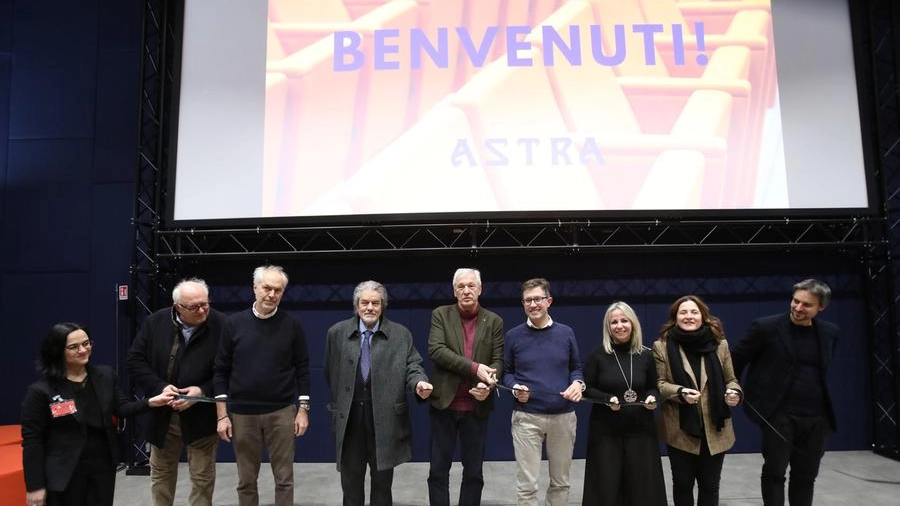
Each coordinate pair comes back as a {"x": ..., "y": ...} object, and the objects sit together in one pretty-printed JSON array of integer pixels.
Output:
[
  {"x": 738, "y": 287},
  {"x": 69, "y": 79}
]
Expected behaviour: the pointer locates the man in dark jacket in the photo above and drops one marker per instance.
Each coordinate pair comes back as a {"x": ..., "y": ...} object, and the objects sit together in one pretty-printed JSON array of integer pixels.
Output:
[
  {"x": 174, "y": 352},
  {"x": 787, "y": 357},
  {"x": 370, "y": 362}
]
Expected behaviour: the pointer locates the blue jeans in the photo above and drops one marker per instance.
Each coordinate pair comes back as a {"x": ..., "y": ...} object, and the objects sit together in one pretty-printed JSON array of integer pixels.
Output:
[{"x": 447, "y": 427}]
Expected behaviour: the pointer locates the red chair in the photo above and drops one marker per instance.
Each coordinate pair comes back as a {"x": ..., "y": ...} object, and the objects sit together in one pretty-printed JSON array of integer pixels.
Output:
[{"x": 12, "y": 479}]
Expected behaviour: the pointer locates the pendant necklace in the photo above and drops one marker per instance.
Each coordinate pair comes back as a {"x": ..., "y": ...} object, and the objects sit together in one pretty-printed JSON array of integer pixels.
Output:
[{"x": 630, "y": 395}]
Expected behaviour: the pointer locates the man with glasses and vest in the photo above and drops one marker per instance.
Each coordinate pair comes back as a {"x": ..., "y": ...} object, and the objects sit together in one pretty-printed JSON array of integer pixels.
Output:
[
  {"x": 370, "y": 362},
  {"x": 174, "y": 352}
]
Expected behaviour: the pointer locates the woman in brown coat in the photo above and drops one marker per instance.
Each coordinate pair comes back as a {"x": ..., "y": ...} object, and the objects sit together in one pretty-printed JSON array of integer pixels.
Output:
[{"x": 696, "y": 375}]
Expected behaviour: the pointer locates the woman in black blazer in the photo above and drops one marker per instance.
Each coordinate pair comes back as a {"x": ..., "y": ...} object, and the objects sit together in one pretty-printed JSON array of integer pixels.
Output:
[{"x": 69, "y": 444}]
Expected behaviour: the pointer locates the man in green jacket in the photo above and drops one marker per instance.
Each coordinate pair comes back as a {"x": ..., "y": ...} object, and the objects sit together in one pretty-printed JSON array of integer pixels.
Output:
[{"x": 466, "y": 348}]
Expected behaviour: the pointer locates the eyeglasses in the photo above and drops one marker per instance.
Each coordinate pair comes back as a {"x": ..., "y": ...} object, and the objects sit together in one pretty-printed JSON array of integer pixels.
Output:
[
  {"x": 194, "y": 307},
  {"x": 76, "y": 346},
  {"x": 366, "y": 303},
  {"x": 534, "y": 300}
]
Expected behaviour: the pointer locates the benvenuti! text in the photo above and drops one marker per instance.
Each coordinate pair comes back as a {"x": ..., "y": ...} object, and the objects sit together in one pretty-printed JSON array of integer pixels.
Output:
[{"x": 392, "y": 49}]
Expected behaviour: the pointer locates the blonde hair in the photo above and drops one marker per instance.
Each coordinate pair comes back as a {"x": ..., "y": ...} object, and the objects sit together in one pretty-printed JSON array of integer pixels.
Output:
[{"x": 637, "y": 337}]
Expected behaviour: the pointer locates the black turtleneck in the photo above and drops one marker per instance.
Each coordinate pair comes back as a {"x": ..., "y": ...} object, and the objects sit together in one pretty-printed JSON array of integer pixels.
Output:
[{"x": 807, "y": 396}]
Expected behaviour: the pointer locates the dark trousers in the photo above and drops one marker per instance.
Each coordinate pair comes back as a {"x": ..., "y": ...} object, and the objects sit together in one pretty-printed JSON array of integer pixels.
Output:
[
  {"x": 623, "y": 471},
  {"x": 358, "y": 453},
  {"x": 92, "y": 484},
  {"x": 447, "y": 427},
  {"x": 687, "y": 468},
  {"x": 802, "y": 448}
]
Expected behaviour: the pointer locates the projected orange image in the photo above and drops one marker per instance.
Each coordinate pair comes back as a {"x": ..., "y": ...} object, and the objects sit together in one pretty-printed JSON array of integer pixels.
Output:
[{"x": 426, "y": 106}]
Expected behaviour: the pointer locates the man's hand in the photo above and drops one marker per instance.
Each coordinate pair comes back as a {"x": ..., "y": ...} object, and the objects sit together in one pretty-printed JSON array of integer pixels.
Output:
[
  {"x": 486, "y": 374},
  {"x": 223, "y": 428},
  {"x": 424, "y": 389},
  {"x": 573, "y": 393},
  {"x": 480, "y": 391},
  {"x": 301, "y": 422},
  {"x": 521, "y": 393},
  {"x": 183, "y": 404},
  {"x": 171, "y": 390}
]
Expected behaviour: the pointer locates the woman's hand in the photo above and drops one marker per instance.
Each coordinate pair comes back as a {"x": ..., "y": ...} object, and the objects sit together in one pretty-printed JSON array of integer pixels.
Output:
[
  {"x": 614, "y": 403},
  {"x": 732, "y": 397},
  {"x": 690, "y": 395},
  {"x": 650, "y": 402},
  {"x": 36, "y": 498},
  {"x": 162, "y": 399}
]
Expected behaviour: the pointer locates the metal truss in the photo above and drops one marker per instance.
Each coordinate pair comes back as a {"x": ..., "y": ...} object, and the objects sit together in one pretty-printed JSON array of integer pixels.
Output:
[
  {"x": 160, "y": 249},
  {"x": 883, "y": 272},
  {"x": 511, "y": 236},
  {"x": 150, "y": 184},
  {"x": 150, "y": 188}
]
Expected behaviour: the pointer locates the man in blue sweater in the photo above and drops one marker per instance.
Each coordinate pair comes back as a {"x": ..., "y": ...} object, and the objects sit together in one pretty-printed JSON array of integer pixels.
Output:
[
  {"x": 541, "y": 364},
  {"x": 262, "y": 368}
]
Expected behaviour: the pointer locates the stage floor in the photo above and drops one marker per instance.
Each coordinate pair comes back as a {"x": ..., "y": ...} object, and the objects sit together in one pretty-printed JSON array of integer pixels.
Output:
[{"x": 845, "y": 478}]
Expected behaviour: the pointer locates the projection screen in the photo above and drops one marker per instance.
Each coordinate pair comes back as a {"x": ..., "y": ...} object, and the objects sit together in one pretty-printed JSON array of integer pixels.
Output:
[{"x": 342, "y": 109}]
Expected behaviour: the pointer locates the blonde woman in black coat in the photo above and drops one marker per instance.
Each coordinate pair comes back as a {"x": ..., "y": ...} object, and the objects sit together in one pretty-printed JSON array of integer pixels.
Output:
[{"x": 623, "y": 466}]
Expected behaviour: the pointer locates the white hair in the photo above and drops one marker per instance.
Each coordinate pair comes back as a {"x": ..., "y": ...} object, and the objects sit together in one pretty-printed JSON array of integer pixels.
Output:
[
  {"x": 176, "y": 292},
  {"x": 370, "y": 285},
  {"x": 463, "y": 271},
  {"x": 258, "y": 273}
]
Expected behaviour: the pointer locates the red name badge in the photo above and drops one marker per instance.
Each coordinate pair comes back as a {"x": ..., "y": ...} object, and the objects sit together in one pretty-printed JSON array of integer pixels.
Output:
[{"x": 63, "y": 408}]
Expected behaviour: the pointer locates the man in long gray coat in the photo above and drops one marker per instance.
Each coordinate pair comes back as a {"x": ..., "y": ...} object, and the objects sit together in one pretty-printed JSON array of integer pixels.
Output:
[{"x": 369, "y": 363}]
